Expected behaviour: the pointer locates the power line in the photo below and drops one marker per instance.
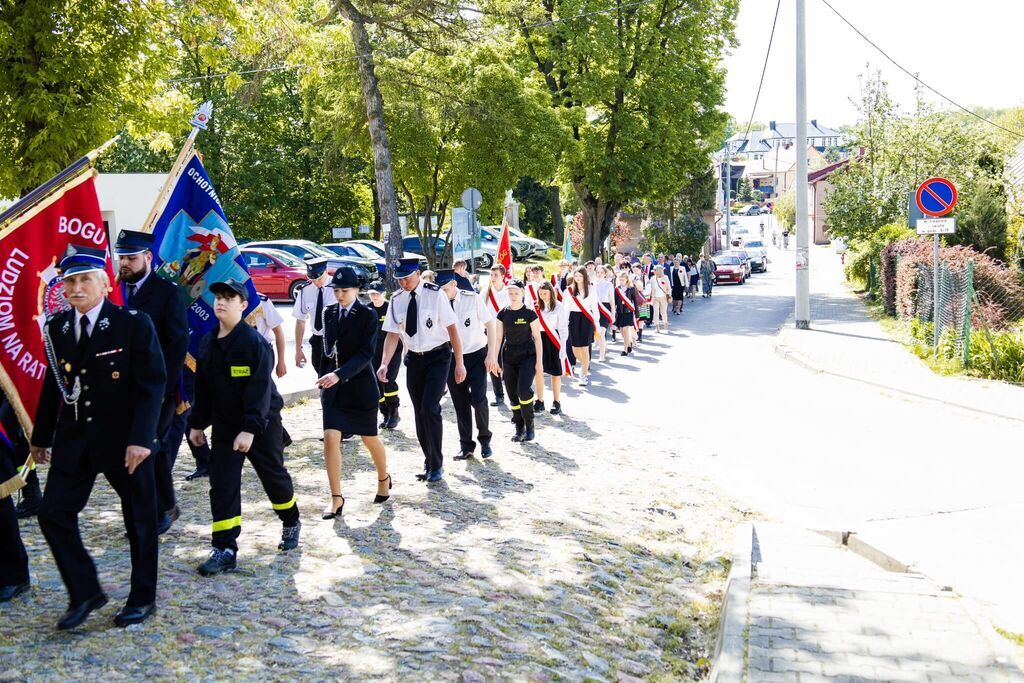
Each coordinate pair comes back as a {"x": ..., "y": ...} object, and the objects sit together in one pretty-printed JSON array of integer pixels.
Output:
[
  {"x": 764, "y": 69},
  {"x": 379, "y": 54},
  {"x": 899, "y": 66}
]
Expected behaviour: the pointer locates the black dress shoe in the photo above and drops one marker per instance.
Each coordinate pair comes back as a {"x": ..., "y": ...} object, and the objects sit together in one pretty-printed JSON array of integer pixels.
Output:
[
  {"x": 200, "y": 472},
  {"x": 28, "y": 507},
  {"x": 76, "y": 615},
  {"x": 134, "y": 615},
  {"x": 464, "y": 455},
  {"x": 8, "y": 593},
  {"x": 485, "y": 450},
  {"x": 500, "y": 401},
  {"x": 422, "y": 476},
  {"x": 538, "y": 407},
  {"x": 169, "y": 518},
  {"x": 435, "y": 475}
]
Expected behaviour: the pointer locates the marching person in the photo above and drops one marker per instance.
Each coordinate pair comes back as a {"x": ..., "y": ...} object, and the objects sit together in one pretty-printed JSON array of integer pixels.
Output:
[
  {"x": 497, "y": 299},
  {"x": 350, "y": 394},
  {"x": 235, "y": 394},
  {"x": 554, "y": 323},
  {"x": 581, "y": 301},
  {"x": 707, "y": 275},
  {"x": 659, "y": 291},
  {"x": 389, "y": 400},
  {"x": 519, "y": 332},
  {"x": 163, "y": 302},
  {"x": 603, "y": 288},
  {"x": 625, "y": 312},
  {"x": 98, "y": 412},
  {"x": 422, "y": 317},
  {"x": 269, "y": 323},
  {"x": 310, "y": 302},
  {"x": 679, "y": 280},
  {"x": 14, "y": 578},
  {"x": 477, "y": 333}
]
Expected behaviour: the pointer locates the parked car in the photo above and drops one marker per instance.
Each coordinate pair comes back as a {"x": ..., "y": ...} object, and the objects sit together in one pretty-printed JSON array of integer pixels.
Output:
[
  {"x": 484, "y": 259},
  {"x": 520, "y": 248},
  {"x": 379, "y": 249},
  {"x": 275, "y": 273},
  {"x": 752, "y": 210},
  {"x": 729, "y": 268},
  {"x": 306, "y": 249},
  {"x": 744, "y": 259},
  {"x": 539, "y": 246},
  {"x": 758, "y": 255}
]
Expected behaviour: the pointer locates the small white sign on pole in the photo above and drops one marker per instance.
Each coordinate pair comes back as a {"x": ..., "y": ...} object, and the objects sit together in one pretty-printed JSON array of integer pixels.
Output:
[
  {"x": 364, "y": 229},
  {"x": 936, "y": 226},
  {"x": 341, "y": 233}
]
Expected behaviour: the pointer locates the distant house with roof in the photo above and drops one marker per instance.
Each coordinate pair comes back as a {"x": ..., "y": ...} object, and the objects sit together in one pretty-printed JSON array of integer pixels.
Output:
[
  {"x": 819, "y": 183},
  {"x": 779, "y": 135}
]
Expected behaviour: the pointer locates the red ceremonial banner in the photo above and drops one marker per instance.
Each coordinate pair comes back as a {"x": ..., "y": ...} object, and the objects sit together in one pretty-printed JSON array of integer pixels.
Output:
[
  {"x": 505, "y": 252},
  {"x": 31, "y": 288}
]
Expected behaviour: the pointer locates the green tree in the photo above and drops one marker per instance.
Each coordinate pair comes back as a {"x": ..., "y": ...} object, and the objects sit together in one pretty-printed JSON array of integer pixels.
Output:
[
  {"x": 744, "y": 189},
  {"x": 785, "y": 209},
  {"x": 983, "y": 225},
  {"x": 686, "y": 236},
  {"x": 640, "y": 87},
  {"x": 72, "y": 74},
  {"x": 535, "y": 200}
]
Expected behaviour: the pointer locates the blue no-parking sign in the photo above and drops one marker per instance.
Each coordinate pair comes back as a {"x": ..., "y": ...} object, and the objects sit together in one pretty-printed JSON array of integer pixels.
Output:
[{"x": 936, "y": 197}]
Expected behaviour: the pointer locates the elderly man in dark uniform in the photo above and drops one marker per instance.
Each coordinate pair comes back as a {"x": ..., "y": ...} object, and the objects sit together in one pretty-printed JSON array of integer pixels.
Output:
[
  {"x": 421, "y": 317},
  {"x": 98, "y": 412},
  {"x": 162, "y": 301}
]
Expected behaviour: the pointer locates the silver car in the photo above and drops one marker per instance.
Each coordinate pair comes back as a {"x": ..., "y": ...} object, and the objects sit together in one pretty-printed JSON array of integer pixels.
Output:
[{"x": 758, "y": 256}]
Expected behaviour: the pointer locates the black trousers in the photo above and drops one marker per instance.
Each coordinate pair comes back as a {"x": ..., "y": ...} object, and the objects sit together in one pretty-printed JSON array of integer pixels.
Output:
[
  {"x": 172, "y": 441},
  {"x": 388, "y": 390},
  {"x": 426, "y": 376},
  {"x": 520, "y": 368},
  {"x": 165, "y": 457},
  {"x": 13, "y": 558},
  {"x": 66, "y": 495},
  {"x": 316, "y": 343},
  {"x": 267, "y": 457},
  {"x": 496, "y": 381},
  {"x": 470, "y": 398}
]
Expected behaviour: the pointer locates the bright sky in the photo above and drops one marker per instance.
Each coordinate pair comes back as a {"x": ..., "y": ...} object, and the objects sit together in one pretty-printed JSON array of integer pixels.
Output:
[{"x": 969, "y": 51}]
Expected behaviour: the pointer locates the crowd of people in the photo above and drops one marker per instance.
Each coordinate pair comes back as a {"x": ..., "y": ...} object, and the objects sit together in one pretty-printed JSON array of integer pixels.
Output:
[{"x": 118, "y": 397}]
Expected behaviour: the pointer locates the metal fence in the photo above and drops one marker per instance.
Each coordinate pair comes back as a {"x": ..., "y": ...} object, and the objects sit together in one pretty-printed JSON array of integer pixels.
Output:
[{"x": 952, "y": 329}]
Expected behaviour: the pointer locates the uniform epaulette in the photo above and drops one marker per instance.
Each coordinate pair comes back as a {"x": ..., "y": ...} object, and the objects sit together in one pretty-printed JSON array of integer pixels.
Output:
[
  {"x": 465, "y": 292},
  {"x": 431, "y": 286},
  {"x": 263, "y": 297},
  {"x": 303, "y": 285}
]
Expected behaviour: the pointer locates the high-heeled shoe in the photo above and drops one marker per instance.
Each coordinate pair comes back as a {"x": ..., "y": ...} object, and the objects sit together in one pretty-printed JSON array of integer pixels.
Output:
[
  {"x": 379, "y": 498},
  {"x": 337, "y": 512}
]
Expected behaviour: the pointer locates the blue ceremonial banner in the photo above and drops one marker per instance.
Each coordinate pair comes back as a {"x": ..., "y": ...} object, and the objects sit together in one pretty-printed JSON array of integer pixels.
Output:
[{"x": 194, "y": 247}]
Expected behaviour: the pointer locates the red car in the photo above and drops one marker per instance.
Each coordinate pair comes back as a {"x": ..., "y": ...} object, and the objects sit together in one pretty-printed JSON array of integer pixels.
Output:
[
  {"x": 276, "y": 273},
  {"x": 729, "y": 268}
]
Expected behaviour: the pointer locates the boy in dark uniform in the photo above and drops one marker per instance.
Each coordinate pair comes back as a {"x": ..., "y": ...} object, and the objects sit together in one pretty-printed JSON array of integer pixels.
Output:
[
  {"x": 236, "y": 395},
  {"x": 388, "y": 390}
]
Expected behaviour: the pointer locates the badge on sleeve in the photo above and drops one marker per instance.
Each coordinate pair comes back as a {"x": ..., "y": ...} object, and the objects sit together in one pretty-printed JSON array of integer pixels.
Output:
[
  {"x": 430, "y": 323},
  {"x": 466, "y": 323},
  {"x": 241, "y": 371}
]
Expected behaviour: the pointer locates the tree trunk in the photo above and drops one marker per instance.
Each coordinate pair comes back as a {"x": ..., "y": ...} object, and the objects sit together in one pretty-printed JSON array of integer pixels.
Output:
[
  {"x": 374, "y": 102},
  {"x": 597, "y": 221},
  {"x": 555, "y": 206},
  {"x": 376, "y": 210}
]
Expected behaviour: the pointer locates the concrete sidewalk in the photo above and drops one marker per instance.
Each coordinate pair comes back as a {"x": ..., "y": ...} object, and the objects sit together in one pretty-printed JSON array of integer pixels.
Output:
[
  {"x": 844, "y": 340},
  {"x": 802, "y": 608}
]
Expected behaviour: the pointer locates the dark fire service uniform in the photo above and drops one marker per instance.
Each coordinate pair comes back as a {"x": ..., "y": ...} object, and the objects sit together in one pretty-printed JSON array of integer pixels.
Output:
[
  {"x": 235, "y": 393},
  {"x": 310, "y": 302},
  {"x": 112, "y": 353},
  {"x": 470, "y": 397},
  {"x": 389, "y": 400},
  {"x": 422, "y": 318},
  {"x": 163, "y": 302},
  {"x": 519, "y": 362}
]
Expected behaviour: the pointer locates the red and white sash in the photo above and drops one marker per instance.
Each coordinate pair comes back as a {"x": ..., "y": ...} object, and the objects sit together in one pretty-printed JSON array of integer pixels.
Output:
[
  {"x": 630, "y": 306},
  {"x": 606, "y": 313},
  {"x": 533, "y": 294},
  {"x": 554, "y": 283},
  {"x": 494, "y": 302},
  {"x": 557, "y": 344},
  {"x": 582, "y": 310}
]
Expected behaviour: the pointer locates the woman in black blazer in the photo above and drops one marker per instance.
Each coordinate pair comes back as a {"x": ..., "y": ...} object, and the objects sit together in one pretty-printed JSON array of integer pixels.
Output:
[{"x": 350, "y": 395}]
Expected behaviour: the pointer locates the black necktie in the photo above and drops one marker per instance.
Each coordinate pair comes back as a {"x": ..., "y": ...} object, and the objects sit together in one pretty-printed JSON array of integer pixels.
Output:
[
  {"x": 410, "y": 315},
  {"x": 131, "y": 291},
  {"x": 83, "y": 336},
  {"x": 344, "y": 313},
  {"x": 318, "y": 317}
]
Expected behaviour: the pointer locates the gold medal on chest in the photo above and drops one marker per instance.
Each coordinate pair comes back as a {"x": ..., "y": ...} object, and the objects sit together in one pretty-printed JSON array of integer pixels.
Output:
[{"x": 115, "y": 375}]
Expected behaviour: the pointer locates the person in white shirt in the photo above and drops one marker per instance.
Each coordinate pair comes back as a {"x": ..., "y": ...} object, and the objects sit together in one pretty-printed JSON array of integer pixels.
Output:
[
  {"x": 268, "y": 322},
  {"x": 604, "y": 288},
  {"x": 658, "y": 292},
  {"x": 477, "y": 333},
  {"x": 554, "y": 337},
  {"x": 496, "y": 298},
  {"x": 310, "y": 303},
  {"x": 581, "y": 301},
  {"x": 422, "y": 318}
]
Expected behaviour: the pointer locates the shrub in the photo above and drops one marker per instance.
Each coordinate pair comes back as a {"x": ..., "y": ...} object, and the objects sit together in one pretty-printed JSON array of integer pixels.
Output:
[
  {"x": 998, "y": 355},
  {"x": 860, "y": 254}
]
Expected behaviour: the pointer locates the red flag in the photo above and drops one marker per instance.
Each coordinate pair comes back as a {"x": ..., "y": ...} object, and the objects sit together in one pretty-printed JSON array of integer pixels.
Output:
[
  {"x": 505, "y": 251},
  {"x": 31, "y": 290}
]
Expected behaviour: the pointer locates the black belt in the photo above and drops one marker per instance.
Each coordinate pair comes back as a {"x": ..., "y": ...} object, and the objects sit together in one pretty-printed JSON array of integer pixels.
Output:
[{"x": 446, "y": 346}]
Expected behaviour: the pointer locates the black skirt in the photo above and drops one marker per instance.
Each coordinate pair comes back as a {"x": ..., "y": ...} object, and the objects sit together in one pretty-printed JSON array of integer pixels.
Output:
[
  {"x": 550, "y": 358},
  {"x": 352, "y": 407},
  {"x": 678, "y": 291},
  {"x": 624, "y": 317},
  {"x": 581, "y": 330}
]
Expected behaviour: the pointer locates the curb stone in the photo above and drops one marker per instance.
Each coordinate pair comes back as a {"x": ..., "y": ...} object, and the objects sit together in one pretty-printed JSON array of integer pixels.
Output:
[{"x": 731, "y": 647}]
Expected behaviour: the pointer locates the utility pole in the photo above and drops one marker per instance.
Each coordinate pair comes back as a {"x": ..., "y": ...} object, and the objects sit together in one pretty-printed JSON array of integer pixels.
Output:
[
  {"x": 803, "y": 280},
  {"x": 728, "y": 196}
]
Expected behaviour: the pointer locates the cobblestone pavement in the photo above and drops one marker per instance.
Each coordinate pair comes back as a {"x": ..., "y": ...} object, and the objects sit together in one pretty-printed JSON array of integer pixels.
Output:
[
  {"x": 820, "y": 612},
  {"x": 582, "y": 556}
]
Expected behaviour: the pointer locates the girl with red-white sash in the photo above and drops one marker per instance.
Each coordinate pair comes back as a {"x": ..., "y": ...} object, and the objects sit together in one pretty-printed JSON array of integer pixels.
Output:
[
  {"x": 625, "y": 312},
  {"x": 580, "y": 300},
  {"x": 554, "y": 337},
  {"x": 496, "y": 298},
  {"x": 604, "y": 289}
]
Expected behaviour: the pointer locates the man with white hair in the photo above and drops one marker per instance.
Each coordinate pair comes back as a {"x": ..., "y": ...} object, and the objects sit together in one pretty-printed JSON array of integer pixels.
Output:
[{"x": 98, "y": 412}]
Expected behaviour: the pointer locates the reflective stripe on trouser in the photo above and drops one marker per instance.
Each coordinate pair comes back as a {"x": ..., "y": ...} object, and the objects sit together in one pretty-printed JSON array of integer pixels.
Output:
[
  {"x": 267, "y": 459},
  {"x": 470, "y": 399},
  {"x": 520, "y": 363}
]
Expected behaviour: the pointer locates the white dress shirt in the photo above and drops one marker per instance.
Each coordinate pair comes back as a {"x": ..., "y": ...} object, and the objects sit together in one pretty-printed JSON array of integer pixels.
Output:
[
  {"x": 266, "y": 318},
  {"x": 91, "y": 314},
  {"x": 472, "y": 315},
  {"x": 435, "y": 314},
  {"x": 589, "y": 303},
  {"x": 305, "y": 306}
]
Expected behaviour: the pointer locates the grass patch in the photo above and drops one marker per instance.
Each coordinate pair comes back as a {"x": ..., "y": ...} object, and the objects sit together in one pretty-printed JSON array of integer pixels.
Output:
[{"x": 1016, "y": 638}]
